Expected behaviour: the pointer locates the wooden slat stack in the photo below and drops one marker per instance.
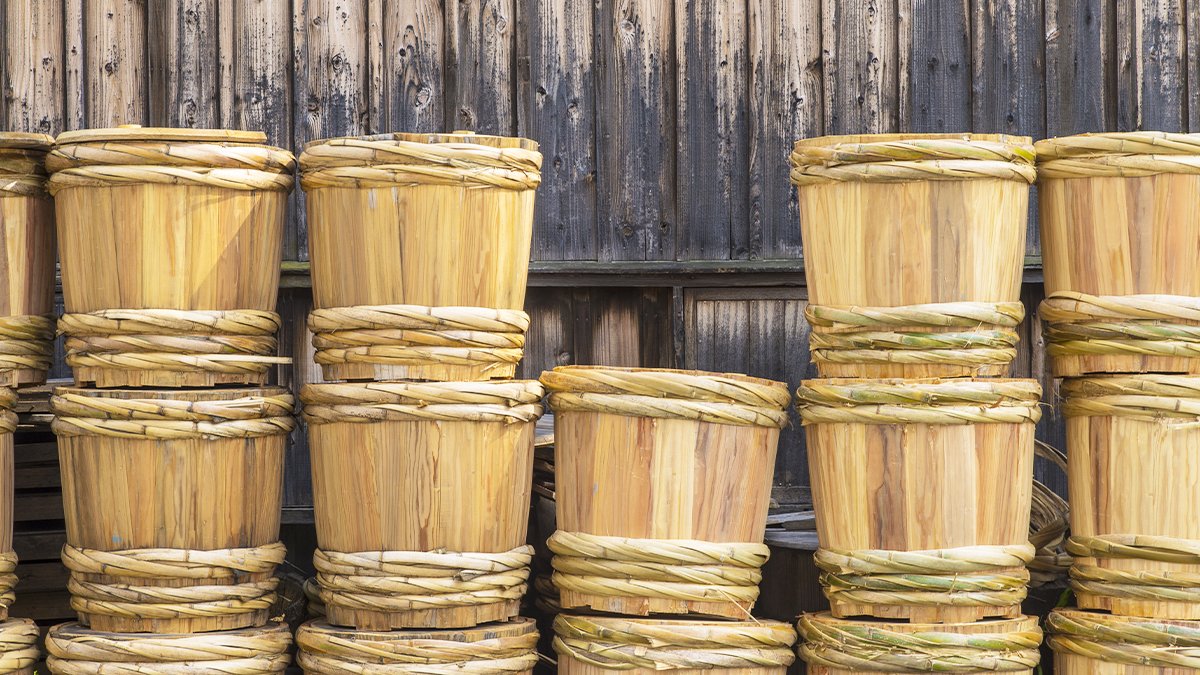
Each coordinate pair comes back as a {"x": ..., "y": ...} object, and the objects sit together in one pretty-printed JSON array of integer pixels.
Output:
[
  {"x": 920, "y": 452},
  {"x": 422, "y": 444},
  {"x": 662, "y": 486},
  {"x": 171, "y": 443},
  {"x": 1120, "y": 229}
]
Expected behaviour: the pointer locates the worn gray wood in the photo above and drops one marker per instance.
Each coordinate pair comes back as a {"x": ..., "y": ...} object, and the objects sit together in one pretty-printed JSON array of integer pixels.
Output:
[
  {"x": 935, "y": 66},
  {"x": 559, "y": 108},
  {"x": 115, "y": 85},
  {"x": 786, "y": 101},
  {"x": 861, "y": 66},
  {"x": 184, "y": 69},
  {"x": 713, "y": 139},
  {"x": 1080, "y": 67},
  {"x": 480, "y": 66},
  {"x": 32, "y": 77},
  {"x": 1151, "y": 74},
  {"x": 635, "y": 130},
  {"x": 408, "y": 74}
]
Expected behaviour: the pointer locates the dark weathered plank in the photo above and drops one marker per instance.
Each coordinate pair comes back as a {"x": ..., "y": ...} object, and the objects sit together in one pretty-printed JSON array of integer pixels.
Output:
[
  {"x": 409, "y": 75},
  {"x": 861, "y": 66},
  {"x": 1080, "y": 71},
  {"x": 635, "y": 130},
  {"x": 32, "y": 77},
  {"x": 480, "y": 66},
  {"x": 74, "y": 64},
  {"x": 1193, "y": 68},
  {"x": 558, "y": 108},
  {"x": 330, "y": 96},
  {"x": 550, "y": 340},
  {"x": 1151, "y": 75},
  {"x": 713, "y": 140},
  {"x": 184, "y": 70},
  {"x": 786, "y": 103},
  {"x": 935, "y": 66},
  {"x": 258, "y": 93},
  {"x": 114, "y": 64}
]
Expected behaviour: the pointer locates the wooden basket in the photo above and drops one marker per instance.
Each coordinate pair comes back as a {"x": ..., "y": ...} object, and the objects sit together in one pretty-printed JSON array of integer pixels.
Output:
[
  {"x": 18, "y": 646},
  {"x": 922, "y": 491},
  {"x": 172, "y": 503},
  {"x": 913, "y": 250},
  {"x": 509, "y": 648},
  {"x": 592, "y": 645},
  {"x": 1134, "y": 448},
  {"x": 1091, "y": 643},
  {"x": 833, "y": 646},
  {"x": 663, "y": 481},
  {"x": 421, "y": 497},
  {"x": 420, "y": 253},
  {"x": 1120, "y": 229},
  {"x": 26, "y": 260},
  {"x": 76, "y": 650},
  {"x": 170, "y": 242}
]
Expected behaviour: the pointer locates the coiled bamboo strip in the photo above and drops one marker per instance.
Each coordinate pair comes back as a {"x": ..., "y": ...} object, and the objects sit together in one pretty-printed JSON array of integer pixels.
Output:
[
  {"x": 1086, "y": 642},
  {"x": 18, "y": 646},
  {"x": 77, "y": 650}
]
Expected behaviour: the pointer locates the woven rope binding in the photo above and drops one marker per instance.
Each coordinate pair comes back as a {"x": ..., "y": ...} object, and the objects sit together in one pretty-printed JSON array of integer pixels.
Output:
[
  {"x": 385, "y": 162},
  {"x": 1079, "y": 324},
  {"x": 1142, "y": 642},
  {"x": 513, "y": 401},
  {"x": 327, "y": 651},
  {"x": 629, "y": 644},
  {"x": 75, "y": 650},
  {"x": 919, "y": 402},
  {"x": 26, "y": 341},
  {"x": 399, "y": 581},
  {"x": 1009, "y": 158},
  {"x": 1137, "y": 153},
  {"x": 18, "y": 645}
]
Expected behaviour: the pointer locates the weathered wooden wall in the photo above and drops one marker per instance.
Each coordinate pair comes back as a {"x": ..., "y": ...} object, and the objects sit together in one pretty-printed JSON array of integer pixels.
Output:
[{"x": 666, "y": 229}]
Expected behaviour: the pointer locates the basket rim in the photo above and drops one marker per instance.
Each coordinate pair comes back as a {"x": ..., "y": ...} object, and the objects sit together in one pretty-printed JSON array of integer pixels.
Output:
[
  {"x": 135, "y": 133},
  {"x": 524, "y": 625},
  {"x": 209, "y": 394},
  {"x": 867, "y": 139},
  {"x": 498, "y": 142},
  {"x": 20, "y": 140},
  {"x": 739, "y": 377},
  {"x": 1077, "y": 145}
]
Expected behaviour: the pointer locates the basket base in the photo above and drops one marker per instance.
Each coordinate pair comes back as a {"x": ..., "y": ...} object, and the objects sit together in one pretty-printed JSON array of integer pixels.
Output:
[
  {"x": 1183, "y": 611},
  {"x": 22, "y": 377},
  {"x": 452, "y": 617},
  {"x": 634, "y": 606},
  {"x": 208, "y": 624},
  {"x": 377, "y": 372},
  {"x": 1076, "y": 366},
  {"x": 110, "y": 378},
  {"x": 885, "y": 371},
  {"x": 924, "y": 614}
]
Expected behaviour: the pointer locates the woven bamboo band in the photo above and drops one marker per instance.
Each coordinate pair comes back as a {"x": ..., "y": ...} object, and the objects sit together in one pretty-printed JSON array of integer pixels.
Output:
[
  {"x": 172, "y": 429},
  {"x": 21, "y": 171},
  {"x": 677, "y": 384},
  {"x": 395, "y": 581},
  {"x": 1170, "y": 398},
  {"x": 75, "y": 650},
  {"x": 1156, "y": 325},
  {"x": 933, "y": 315},
  {"x": 67, "y": 403},
  {"x": 150, "y": 153},
  {"x": 25, "y": 340},
  {"x": 679, "y": 569},
  {"x": 904, "y": 171},
  {"x": 1141, "y": 642},
  {"x": 364, "y": 162},
  {"x": 514, "y": 401},
  {"x": 668, "y": 408},
  {"x": 914, "y": 159},
  {"x": 329, "y": 651},
  {"x": 462, "y": 339},
  {"x": 172, "y": 563},
  {"x": 1136, "y": 153},
  {"x": 916, "y": 402},
  {"x": 613, "y": 643},
  {"x": 1127, "y": 166},
  {"x": 971, "y": 576},
  {"x": 1136, "y": 546},
  {"x": 244, "y": 180},
  {"x": 1163, "y": 586},
  {"x": 8, "y": 579},
  {"x": 866, "y": 647},
  {"x": 417, "y": 317},
  {"x": 161, "y": 602},
  {"x": 110, "y": 322},
  {"x": 489, "y": 359},
  {"x": 18, "y": 645}
]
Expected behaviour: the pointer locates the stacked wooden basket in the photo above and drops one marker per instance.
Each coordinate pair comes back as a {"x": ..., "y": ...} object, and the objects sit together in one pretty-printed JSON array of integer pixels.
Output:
[
  {"x": 422, "y": 444},
  {"x": 170, "y": 445},
  {"x": 26, "y": 334},
  {"x": 1120, "y": 235},
  {"x": 921, "y": 456}
]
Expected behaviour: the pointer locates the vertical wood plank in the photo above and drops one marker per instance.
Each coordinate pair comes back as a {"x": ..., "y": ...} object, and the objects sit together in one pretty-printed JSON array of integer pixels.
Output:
[
  {"x": 713, "y": 143},
  {"x": 73, "y": 48},
  {"x": 935, "y": 66},
  {"x": 410, "y": 75},
  {"x": 184, "y": 68},
  {"x": 861, "y": 66},
  {"x": 32, "y": 79},
  {"x": 635, "y": 130},
  {"x": 480, "y": 66},
  {"x": 559, "y": 106},
  {"x": 786, "y": 104},
  {"x": 1193, "y": 62},
  {"x": 331, "y": 76},
  {"x": 1080, "y": 70},
  {"x": 1151, "y": 77},
  {"x": 114, "y": 72},
  {"x": 550, "y": 339}
]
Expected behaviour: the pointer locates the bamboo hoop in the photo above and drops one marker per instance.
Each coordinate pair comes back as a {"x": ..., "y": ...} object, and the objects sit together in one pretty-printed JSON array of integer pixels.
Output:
[
  {"x": 663, "y": 383},
  {"x": 380, "y": 162},
  {"x": 1079, "y": 324},
  {"x": 1134, "y": 546},
  {"x": 22, "y": 173},
  {"x": 397, "y": 581},
  {"x": 647, "y": 406},
  {"x": 76, "y": 650},
  {"x": 878, "y": 647},
  {"x": 66, "y": 403},
  {"x": 893, "y": 159},
  {"x": 18, "y": 645},
  {"x": 8, "y": 582},
  {"x": 26, "y": 341},
  {"x": 246, "y": 180},
  {"x": 151, "y": 153},
  {"x": 614, "y": 643},
  {"x": 1125, "y": 154},
  {"x": 504, "y": 648},
  {"x": 511, "y": 393},
  {"x": 162, "y": 602},
  {"x": 170, "y": 563},
  {"x": 1146, "y": 643}
]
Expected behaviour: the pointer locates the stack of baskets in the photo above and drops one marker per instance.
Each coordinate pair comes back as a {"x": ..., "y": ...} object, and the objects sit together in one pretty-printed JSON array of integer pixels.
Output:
[
  {"x": 1120, "y": 232},
  {"x": 920, "y": 453},
  {"x": 26, "y": 334},
  {"x": 662, "y": 484},
  {"x": 171, "y": 445},
  {"x": 422, "y": 444}
]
